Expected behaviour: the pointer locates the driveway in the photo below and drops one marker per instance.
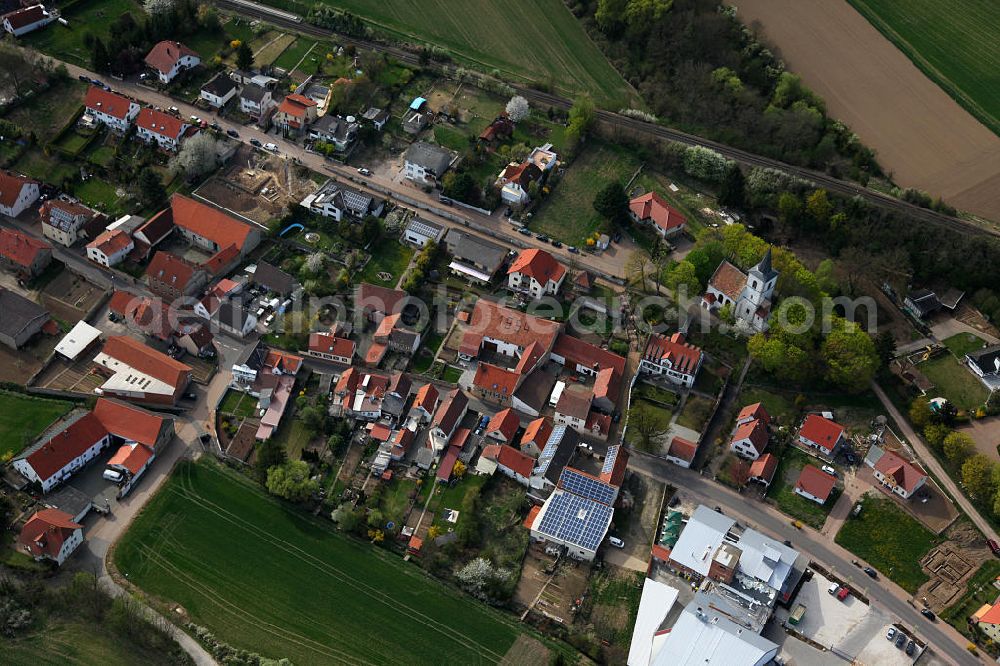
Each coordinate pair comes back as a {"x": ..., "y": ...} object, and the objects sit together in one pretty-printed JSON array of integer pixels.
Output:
[{"x": 986, "y": 434}]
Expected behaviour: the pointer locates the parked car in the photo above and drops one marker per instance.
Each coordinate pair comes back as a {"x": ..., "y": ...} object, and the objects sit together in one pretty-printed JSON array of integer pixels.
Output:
[
  {"x": 273, "y": 147},
  {"x": 233, "y": 133},
  {"x": 445, "y": 200},
  {"x": 364, "y": 172},
  {"x": 255, "y": 142},
  {"x": 556, "y": 243},
  {"x": 994, "y": 546},
  {"x": 216, "y": 126},
  {"x": 843, "y": 593},
  {"x": 911, "y": 647},
  {"x": 928, "y": 613},
  {"x": 900, "y": 640},
  {"x": 616, "y": 542},
  {"x": 572, "y": 250},
  {"x": 112, "y": 475},
  {"x": 871, "y": 572},
  {"x": 891, "y": 633},
  {"x": 524, "y": 230},
  {"x": 829, "y": 470},
  {"x": 84, "y": 78},
  {"x": 834, "y": 588},
  {"x": 174, "y": 110}
]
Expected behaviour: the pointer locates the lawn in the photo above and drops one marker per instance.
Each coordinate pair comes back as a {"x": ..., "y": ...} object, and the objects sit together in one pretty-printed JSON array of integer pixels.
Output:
[
  {"x": 48, "y": 112},
  {"x": 788, "y": 501},
  {"x": 961, "y": 344},
  {"x": 452, "y": 374},
  {"x": 268, "y": 578},
  {"x": 568, "y": 214},
  {"x": 291, "y": 56},
  {"x": 527, "y": 40},
  {"x": 36, "y": 164},
  {"x": 293, "y": 435},
  {"x": 451, "y": 137},
  {"x": 978, "y": 591},
  {"x": 239, "y": 404},
  {"x": 954, "y": 43},
  {"x": 389, "y": 257},
  {"x": 954, "y": 381},
  {"x": 695, "y": 413},
  {"x": 93, "y": 17},
  {"x": 778, "y": 406},
  {"x": 23, "y": 418},
  {"x": 73, "y": 642},
  {"x": 890, "y": 539},
  {"x": 99, "y": 193}
]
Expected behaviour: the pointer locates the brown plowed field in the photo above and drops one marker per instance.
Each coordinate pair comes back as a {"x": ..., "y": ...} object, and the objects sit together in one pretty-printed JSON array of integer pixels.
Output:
[{"x": 921, "y": 135}]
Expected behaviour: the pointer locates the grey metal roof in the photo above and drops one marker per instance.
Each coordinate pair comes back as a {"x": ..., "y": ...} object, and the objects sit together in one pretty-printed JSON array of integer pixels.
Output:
[
  {"x": 700, "y": 538},
  {"x": 273, "y": 278},
  {"x": 431, "y": 157},
  {"x": 18, "y": 313},
  {"x": 219, "y": 85},
  {"x": 477, "y": 250}
]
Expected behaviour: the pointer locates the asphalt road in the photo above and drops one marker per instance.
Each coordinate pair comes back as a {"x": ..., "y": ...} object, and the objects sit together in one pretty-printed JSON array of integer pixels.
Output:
[{"x": 944, "y": 639}]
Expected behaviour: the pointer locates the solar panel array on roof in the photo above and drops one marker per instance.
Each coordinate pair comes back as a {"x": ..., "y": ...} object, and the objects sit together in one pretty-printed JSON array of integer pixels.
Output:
[
  {"x": 609, "y": 460},
  {"x": 586, "y": 486},
  {"x": 575, "y": 519},
  {"x": 549, "y": 452}
]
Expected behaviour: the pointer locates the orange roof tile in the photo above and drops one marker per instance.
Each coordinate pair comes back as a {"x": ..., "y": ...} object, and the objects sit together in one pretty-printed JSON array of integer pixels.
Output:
[
  {"x": 164, "y": 55},
  {"x": 764, "y": 467},
  {"x": 147, "y": 360},
  {"x": 328, "y": 344},
  {"x": 537, "y": 431},
  {"x": 129, "y": 422},
  {"x": 161, "y": 123},
  {"x": 683, "y": 449},
  {"x": 209, "y": 222},
  {"x": 495, "y": 379},
  {"x": 171, "y": 269},
  {"x": 132, "y": 457},
  {"x": 729, "y": 280},
  {"x": 755, "y": 432},
  {"x": 821, "y": 431},
  {"x": 529, "y": 521},
  {"x": 684, "y": 357},
  {"x": 519, "y": 463},
  {"x": 46, "y": 531},
  {"x": 816, "y": 482},
  {"x": 427, "y": 398},
  {"x": 107, "y": 102},
  {"x": 66, "y": 445},
  {"x": 754, "y": 411},
  {"x": 111, "y": 242},
  {"x": 651, "y": 206},
  {"x": 505, "y": 423},
  {"x": 20, "y": 248},
  {"x": 537, "y": 264}
]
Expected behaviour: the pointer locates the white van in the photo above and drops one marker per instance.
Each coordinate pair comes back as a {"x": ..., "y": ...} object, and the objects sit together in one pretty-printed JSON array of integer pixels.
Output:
[
  {"x": 616, "y": 542},
  {"x": 113, "y": 476},
  {"x": 273, "y": 147}
]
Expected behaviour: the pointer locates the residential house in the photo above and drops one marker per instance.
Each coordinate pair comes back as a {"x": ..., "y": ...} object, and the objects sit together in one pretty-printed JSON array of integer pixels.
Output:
[
  {"x": 556, "y": 454},
  {"x": 392, "y": 334},
  {"x": 64, "y": 221},
  {"x": 111, "y": 109},
  {"x": 754, "y": 412},
  {"x": 671, "y": 358},
  {"x": 163, "y": 129},
  {"x": 210, "y": 228},
  {"x": 148, "y": 235},
  {"x": 449, "y": 414},
  {"x": 233, "y": 318},
  {"x": 17, "y": 193},
  {"x": 537, "y": 273},
  {"x": 822, "y": 434},
  {"x": 535, "y": 436},
  {"x": 763, "y": 468},
  {"x": 171, "y": 277},
  {"x": 503, "y": 426},
  {"x": 544, "y": 157},
  {"x": 425, "y": 403},
  {"x": 749, "y": 295},
  {"x": 501, "y": 129},
  {"x": 577, "y": 515},
  {"x": 894, "y": 472},
  {"x": 606, "y": 367},
  {"x": 22, "y": 21},
  {"x": 197, "y": 341},
  {"x": 256, "y": 101},
  {"x": 138, "y": 373},
  {"x": 268, "y": 375},
  {"x": 573, "y": 408},
  {"x": 653, "y": 209},
  {"x": 219, "y": 90},
  {"x": 425, "y": 163},
  {"x": 168, "y": 59},
  {"x": 377, "y": 117},
  {"x": 151, "y": 316},
  {"x": 396, "y": 396},
  {"x": 110, "y": 248},
  {"x": 375, "y": 302},
  {"x": 415, "y": 121},
  {"x": 335, "y": 200},
  {"x": 473, "y": 258},
  {"x": 274, "y": 280},
  {"x": 682, "y": 451},
  {"x": 22, "y": 254},
  {"x": 420, "y": 232},
  {"x": 337, "y": 131},
  {"x": 815, "y": 484},
  {"x": 359, "y": 395},
  {"x": 985, "y": 364},
  {"x": 330, "y": 348},
  {"x": 987, "y": 620},
  {"x": 295, "y": 113},
  {"x": 514, "y": 182},
  {"x": 22, "y": 319},
  {"x": 50, "y": 534},
  {"x": 510, "y": 462},
  {"x": 583, "y": 284},
  {"x": 750, "y": 439}
]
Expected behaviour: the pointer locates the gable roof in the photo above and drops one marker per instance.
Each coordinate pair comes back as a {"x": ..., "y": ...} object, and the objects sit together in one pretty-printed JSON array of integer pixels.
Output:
[
  {"x": 426, "y": 399},
  {"x": 111, "y": 242},
  {"x": 764, "y": 467},
  {"x": 146, "y": 360},
  {"x": 816, "y": 482},
  {"x": 651, "y": 206},
  {"x": 450, "y": 410},
  {"x": 905, "y": 474},
  {"x": 990, "y": 616},
  {"x": 273, "y": 278},
  {"x": 755, "y": 411},
  {"x": 574, "y": 402},
  {"x": 46, "y": 531},
  {"x": 50, "y": 455},
  {"x": 171, "y": 269},
  {"x": 373, "y": 298},
  {"x": 11, "y": 186},
  {"x": 295, "y": 105},
  {"x": 537, "y": 264},
  {"x": 537, "y": 431},
  {"x": 18, "y": 312},
  {"x": 683, "y": 449},
  {"x": 821, "y": 431},
  {"x": 328, "y": 344},
  {"x": 209, "y": 222},
  {"x": 504, "y": 422},
  {"x": 495, "y": 379},
  {"x": 729, "y": 280},
  {"x": 219, "y": 85},
  {"x": 430, "y": 156},
  {"x": 132, "y": 457},
  {"x": 129, "y": 422},
  {"x": 105, "y": 101},
  {"x": 511, "y": 326},
  {"x": 590, "y": 356},
  {"x": 160, "y": 123},
  {"x": 755, "y": 432},
  {"x": 164, "y": 55},
  {"x": 22, "y": 17},
  {"x": 20, "y": 248},
  {"x": 683, "y": 356},
  {"x": 615, "y": 464},
  {"x": 519, "y": 463}
]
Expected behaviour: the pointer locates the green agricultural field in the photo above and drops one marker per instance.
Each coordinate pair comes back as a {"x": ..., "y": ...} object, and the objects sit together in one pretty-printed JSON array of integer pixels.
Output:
[
  {"x": 92, "y": 17},
  {"x": 268, "y": 578},
  {"x": 22, "y": 418},
  {"x": 955, "y": 43},
  {"x": 529, "y": 40}
]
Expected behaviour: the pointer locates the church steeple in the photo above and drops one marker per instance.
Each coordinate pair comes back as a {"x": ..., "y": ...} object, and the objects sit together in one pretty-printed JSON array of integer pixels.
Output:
[{"x": 764, "y": 270}]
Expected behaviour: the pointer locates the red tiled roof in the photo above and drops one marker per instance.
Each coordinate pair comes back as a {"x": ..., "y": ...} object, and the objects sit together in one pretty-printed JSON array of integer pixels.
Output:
[
  {"x": 448, "y": 463},
  {"x": 348, "y": 381},
  {"x": 517, "y": 328},
  {"x": 165, "y": 55},
  {"x": 71, "y": 208},
  {"x": 372, "y": 298},
  {"x": 449, "y": 411},
  {"x": 617, "y": 472},
  {"x": 327, "y": 344},
  {"x": 386, "y": 326},
  {"x": 498, "y": 380},
  {"x": 583, "y": 353},
  {"x": 20, "y": 248},
  {"x": 171, "y": 269},
  {"x": 538, "y": 431},
  {"x": 582, "y": 280},
  {"x": 729, "y": 280},
  {"x": 22, "y": 17},
  {"x": 460, "y": 437},
  {"x": 816, "y": 482},
  {"x": 161, "y": 123},
  {"x": 522, "y": 174},
  {"x": 529, "y": 522},
  {"x": 537, "y": 264},
  {"x": 992, "y": 616},
  {"x": 504, "y": 422},
  {"x": 903, "y": 472},
  {"x": 376, "y": 352},
  {"x": 66, "y": 445},
  {"x": 684, "y": 357},
  {"x": 295, "y": 105},
  {"x": 764, "y": 467},
  {"x": 146, "y": 360},
  {"x": 111, "y": 242},
  {"x": 821, "y": 431},
  {"x": 660, "y": 553},
  {"x": 755, "y": 432},
  {"x": 219, "y": 261},
  {"x": 286, "y": 362},
  {"x": 606, "y": 385},
  {"x": 598, "y": 423},
  {"x": 209, "y": 222},
  {"x": 46, "y": 531},
  {"x": 754, "y": 411},
  {"x": 683, "y": 449},
  {"x": 574, "y": 401},
  {"x": 514, "y": 460},
  {"x": 128, "y": 422},
  {"x": 379, "y": 431},
  {"x": 10, "y": 187},
  {"x": 651, "y": 206},
  {"x": 132, "y": 457},
  {"x": 120, "y": 301},
  {"x": 107, "y": 102},
  {"x": 529, "y": 358},
  {"x": 427, "y": 398}
]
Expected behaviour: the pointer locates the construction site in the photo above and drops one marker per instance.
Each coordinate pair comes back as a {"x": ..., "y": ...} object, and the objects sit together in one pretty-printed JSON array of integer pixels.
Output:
[{"x": 257, "y": 185}]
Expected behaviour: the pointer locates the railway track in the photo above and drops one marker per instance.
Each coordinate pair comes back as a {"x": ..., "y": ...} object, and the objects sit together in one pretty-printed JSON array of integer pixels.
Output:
[{"x": 611, "y": 119}]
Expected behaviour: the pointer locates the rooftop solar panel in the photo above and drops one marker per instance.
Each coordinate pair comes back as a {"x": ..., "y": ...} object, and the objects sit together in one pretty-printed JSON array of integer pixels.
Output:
[
  {"x": 609, "y": 460},
  {"x": 575, "y": 519},
  {"x": 586, "y": 486}
]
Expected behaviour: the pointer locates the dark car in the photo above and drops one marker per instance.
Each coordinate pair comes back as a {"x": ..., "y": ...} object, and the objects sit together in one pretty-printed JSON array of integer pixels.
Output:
[
  {"x": 573, "y": 250},
  {"x": 233, "y": 133},
  {"x": 255, "y": 142},
  {"x": 718, "y": 509},
  {"x": 928, "y": 613},
  {"x": 900, "y": 640},
  {"x": 788, "y": 543},
  {"x": 84, "y": 78},
  {"x": 911, "y": 647},
  {"x": 871, "y": 572},
  {"x": 542, "y": 237},
  {"x": 994, "y": 546},
  {"x": 556, "y": 243},
  {"x": 216, "y": 126},
  {"x": 524, "y": 230}
]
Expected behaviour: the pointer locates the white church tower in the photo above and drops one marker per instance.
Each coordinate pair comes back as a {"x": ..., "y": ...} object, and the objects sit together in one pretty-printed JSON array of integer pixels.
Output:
[{"x": 754, "y": 307}]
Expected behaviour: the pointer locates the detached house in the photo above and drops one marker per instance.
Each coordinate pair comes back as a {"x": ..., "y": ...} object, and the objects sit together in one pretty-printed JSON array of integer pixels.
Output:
[
  {"x": 111, "y": 109},
  {"x": 515, "y": 180},
  {"x": 64, "y": 221},
  {"x": 163, "y": 129},
  {"x": 425, "y": 163},
  {"x": 256, "y": 101},
  {"x": 23, "y": 255},
  {"x": 330, "y": 348},
  {"x": 420, "y": 232},
  {"x": 815, "y": 484},
  {"x": 338, "y": 131},
  {"x": 210, "y": 228},
  {"x": 219, "y": 90},
  {"x": 503, "y": 426},
  {"x": 671, "y": 358},
  {"x": 537, "y": 273},
  {"x": 473, "y": 258},
  {"x": 335, "y": 200},
  {"x": 821, "y": 434},
  {"x": 22, "y": 21},
  {"x": 295, "y": 113},
  {"x": 652, "y": 209},
  {"x": 50, "y": 534},
  {"x": 171, "y": 277},
  {"x": 749, "y": 440},
  {"x": 169, "y": 58},
  {"x": 895, "y": 473},
  {"x": 985, "y": 364},
  {"x": 16, "y": 193},
  {"x": 110, "y": 248}
]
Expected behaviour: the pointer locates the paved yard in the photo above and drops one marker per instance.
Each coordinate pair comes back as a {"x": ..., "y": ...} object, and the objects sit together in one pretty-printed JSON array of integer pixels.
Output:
[
  {"x": 937, "y": 513},
  {"x": 986, "y": 434},
  {"x": 827, "y": 621},
  {"x": 879, "y": 650}
]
